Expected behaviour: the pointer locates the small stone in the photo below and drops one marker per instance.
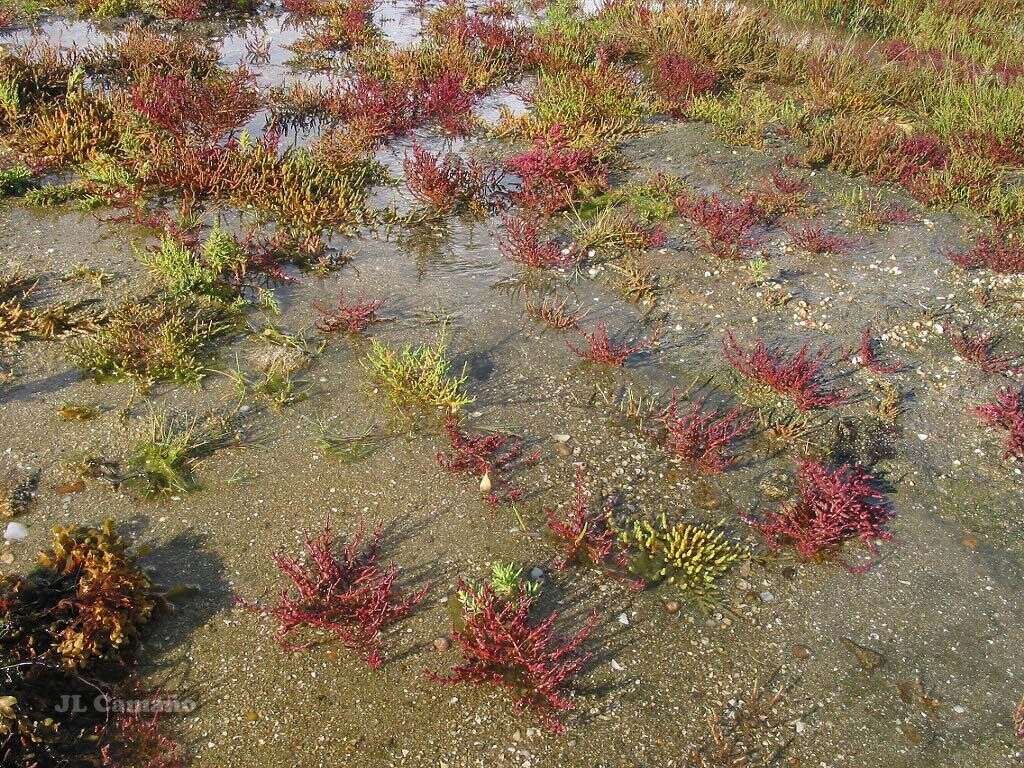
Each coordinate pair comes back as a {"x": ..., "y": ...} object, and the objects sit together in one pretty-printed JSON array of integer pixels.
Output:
[
  {"x": 672, "y": 606},
  {"x": 971, "y": 543},
  {"x": 252, "y": 716},
  {"x": 7, "y": 558},
  {"x": 767, "y": 597},
  {"x": 623, "y": 619},
  {"x": 485, "y": 484},
  {"x": 560, "y": 438},
  {"x": 536, "y": 573},
  {"x": 442, "y": 644},
  {"x": 15, "y": 532},
  {"x": 801, "y": 651}
]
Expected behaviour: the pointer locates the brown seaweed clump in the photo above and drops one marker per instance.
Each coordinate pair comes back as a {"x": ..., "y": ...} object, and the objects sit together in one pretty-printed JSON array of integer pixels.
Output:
[{"x": 67, "y": 632}]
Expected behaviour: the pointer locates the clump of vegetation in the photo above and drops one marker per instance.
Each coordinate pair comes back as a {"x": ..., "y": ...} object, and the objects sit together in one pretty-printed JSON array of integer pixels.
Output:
[
  {"x": 617, "y": 233},
  {"x": 647, "y": 199},
  {"x": 346, "y": 592},
  {"x": 148, "y": 342},
  {"x": 449, "y": 184},
  {"x": 796, "y": 377},
  {"x": 278, "y": 362},
  {"x": 598, "y": 106},
  {"x": 872, "y": 213},
  {"x": 522, "y": 244},
  {"x": 724, "y": 229},
  {"x": 701, "y": 437},
  {"x": 503, "y": 644},
  {"x": 692, "y": 556},
  {"x": 752, "y": 729},
  {"x": 162, "y": 462},
  {"x": 778, "y": 195},
  {"x": 603, "y": 350},
  {"x": 21, "y": 319},
  {"x": 506, "y": 580},
  {"x": 352, "y": 317},
  {"x": 834, "y": 506},
  {"x": 746, "y": 114},
  {"x": 1006, "y": 412},
  {"x": 1001, "y": 252},
  {"x": 214, "y": 272},
  {"x": 192, "y": 108},
  {"x": 813, "y": 238},
  {"x": 420, "y": 375},
  {"x": 586, "y": 535},
  {"x": 71, "y": 626},
  {"x": 553, "y": 174},
  {"x": 679, "y": 79},
  {"x": 15, "y": 180},
  {"x": 17, "y": 320},
  {"x": 553, "y": 313},
  {"x": 90, "y": 599},
  {"x": 489, "y": 456},
  {"x": 979, "y": 349}
]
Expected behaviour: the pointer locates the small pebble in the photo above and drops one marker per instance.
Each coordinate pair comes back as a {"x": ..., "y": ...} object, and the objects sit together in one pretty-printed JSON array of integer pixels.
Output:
[
  {"x": 15, "y": 532},
  {"x": 767, "y": 597},
  {"x": 442, "y": 644},
  {"x": 672, "y": 606}
]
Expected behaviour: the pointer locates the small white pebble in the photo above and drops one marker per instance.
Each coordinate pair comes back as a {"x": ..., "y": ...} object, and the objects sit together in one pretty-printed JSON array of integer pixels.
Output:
[{"x": 15, "y": 532}]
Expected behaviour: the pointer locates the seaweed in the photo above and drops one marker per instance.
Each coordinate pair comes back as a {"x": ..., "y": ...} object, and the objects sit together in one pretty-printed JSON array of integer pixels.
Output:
[
  {"x": 342, "y": 591},
  {"x": 834, "y": 506},
  {"x": 503, "y": 644}
]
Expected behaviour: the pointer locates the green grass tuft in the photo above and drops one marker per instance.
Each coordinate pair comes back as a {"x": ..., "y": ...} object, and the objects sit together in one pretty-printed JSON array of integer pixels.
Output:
[
  {"x": 420, "y": 375},
  {"x": 147, "y": 343}
]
